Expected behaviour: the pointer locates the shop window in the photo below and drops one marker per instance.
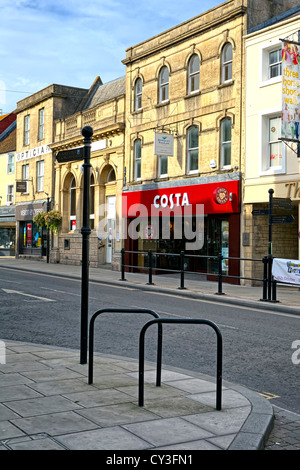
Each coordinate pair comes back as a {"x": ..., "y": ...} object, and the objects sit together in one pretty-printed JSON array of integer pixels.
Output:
[
  {"x": 138, "y": 92},
  {"x": 10, "y": 163},
  {"x": 226, "y": 143},
  {"x": 72, "y": 205},
  {"x": 41, "y": 123},
  {"x": 194, "y": 71},
  {"x": 227, "y": 63},
  {"x": 164, "y": 84},
  {"x": 162, "y": 166},
  {"x": 40, "y": 176},
  {"x": 137, "y": 159},
  {"x": 192, "y": 149},
  {"x": 25, "y": 176},
  {"x": 26, "y": 129}
]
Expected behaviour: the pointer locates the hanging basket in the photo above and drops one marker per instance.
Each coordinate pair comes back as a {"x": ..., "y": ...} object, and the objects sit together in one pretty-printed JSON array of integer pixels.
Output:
[
  {"x": 39, "y": 220},
  {"x": 53, "y": 220}
]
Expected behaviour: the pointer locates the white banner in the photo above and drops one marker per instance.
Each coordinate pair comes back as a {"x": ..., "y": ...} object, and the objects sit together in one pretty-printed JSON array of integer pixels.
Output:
[{"x": 286, "y": 270}]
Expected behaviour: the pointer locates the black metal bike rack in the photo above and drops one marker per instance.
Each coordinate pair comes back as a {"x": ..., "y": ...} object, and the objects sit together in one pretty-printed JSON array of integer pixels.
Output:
[
  {"x": 123, "y": 310},
  {"x": 181, "y": 320}
]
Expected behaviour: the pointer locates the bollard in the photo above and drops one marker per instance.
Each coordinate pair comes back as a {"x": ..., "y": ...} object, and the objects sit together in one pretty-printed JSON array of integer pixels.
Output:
[
  {"x": 150, "y": 283},
  {"x": 181, "y": 270},
  {"x": 122, "y": 265},
  {"x": 220, "y": 275}
]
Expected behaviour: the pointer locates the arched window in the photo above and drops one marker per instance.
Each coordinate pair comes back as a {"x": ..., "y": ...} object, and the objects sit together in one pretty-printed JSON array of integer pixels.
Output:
[
  {"x": 111, "y": 176},
  {"x": 163, "y": 84},
  {"x": 72, "y": 204},
  {"x": 138, "y": 92},
  {"x": 226, "y": 143},
  {"x": 227, "y": 63},
  {"x": 137, "y": 159},
  {"x": 192, "y": 149},
  {"x": 194, "y": 71},
  {"x": 92, "y": 202}
]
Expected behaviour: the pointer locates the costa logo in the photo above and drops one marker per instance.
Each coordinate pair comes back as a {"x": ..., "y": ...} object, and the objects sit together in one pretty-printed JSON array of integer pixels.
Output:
[
  {"x": 172, "y": 200},
  {"x": 221, "y": 195}
]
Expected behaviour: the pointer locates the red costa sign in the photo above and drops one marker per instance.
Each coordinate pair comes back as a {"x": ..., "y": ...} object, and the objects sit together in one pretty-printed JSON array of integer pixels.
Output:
[{"x": 216, "y": 198}]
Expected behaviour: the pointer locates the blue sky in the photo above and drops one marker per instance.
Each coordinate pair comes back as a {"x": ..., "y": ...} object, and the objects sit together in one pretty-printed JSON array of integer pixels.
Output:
[{"x": 71, "y": 42}]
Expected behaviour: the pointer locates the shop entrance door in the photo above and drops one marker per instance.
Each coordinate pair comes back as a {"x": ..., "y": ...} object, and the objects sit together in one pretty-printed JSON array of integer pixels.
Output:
[{"x": 217, "y": 243}]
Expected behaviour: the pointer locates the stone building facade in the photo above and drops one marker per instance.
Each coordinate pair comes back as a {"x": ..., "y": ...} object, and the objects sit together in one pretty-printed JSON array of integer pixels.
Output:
[
  {"x": 188, "y": 83},
  {"x": 34, "y": 163},
  {"x": 104, "y": 111}
]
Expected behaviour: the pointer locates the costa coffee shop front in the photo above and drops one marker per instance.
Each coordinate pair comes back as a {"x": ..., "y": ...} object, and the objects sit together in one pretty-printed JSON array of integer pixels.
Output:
[{"x": 200, "y": 216}]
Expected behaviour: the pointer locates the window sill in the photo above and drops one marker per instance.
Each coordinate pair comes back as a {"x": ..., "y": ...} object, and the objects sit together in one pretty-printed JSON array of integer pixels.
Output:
[
  {"x": 163, "y": 103},
  {"x": 272, "y": 171},
  {"x": 226, "y": 84},
  {"x": 138, "y": 111},
  {"x": 271, "y": 81},
  {"x": 192, "y": 94}
]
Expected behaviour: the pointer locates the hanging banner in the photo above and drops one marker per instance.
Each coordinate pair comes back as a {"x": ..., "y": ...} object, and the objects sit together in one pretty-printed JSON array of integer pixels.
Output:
[
  {"x": 290, "y": 90},
  {"x": 286, "y": 270}
]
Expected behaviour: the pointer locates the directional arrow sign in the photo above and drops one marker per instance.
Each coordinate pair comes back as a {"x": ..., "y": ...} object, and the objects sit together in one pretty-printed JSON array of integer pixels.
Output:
[
  {"x": 70, "y": 155},
  {"x": 260, "y": 212},
  {"x": 282, "y": 203},
  {"x": 282, "y": 219},
  {"x": 9, "y": 291}
]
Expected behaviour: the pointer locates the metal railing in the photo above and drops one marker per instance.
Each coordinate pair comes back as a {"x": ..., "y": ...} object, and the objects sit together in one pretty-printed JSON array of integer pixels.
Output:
[
  {"x": 187, "y": 321},
  {"x": 122, "y": 310},
  {"x": 269, "y": 284}
]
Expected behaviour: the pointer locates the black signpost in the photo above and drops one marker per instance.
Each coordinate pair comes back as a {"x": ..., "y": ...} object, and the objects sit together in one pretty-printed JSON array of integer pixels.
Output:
[
  {"x": 83, "y": 153},
  {"x": 87, "y": 133}
]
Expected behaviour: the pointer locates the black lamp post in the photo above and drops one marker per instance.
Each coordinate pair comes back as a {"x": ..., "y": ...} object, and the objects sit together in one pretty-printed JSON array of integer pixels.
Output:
[{"x": 87, "y": 133}]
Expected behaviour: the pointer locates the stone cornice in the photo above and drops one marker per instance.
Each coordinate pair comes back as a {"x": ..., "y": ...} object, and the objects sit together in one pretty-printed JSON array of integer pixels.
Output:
[
  {"x": 99, "y": 134},
  {"x": 184, "y": 35}
]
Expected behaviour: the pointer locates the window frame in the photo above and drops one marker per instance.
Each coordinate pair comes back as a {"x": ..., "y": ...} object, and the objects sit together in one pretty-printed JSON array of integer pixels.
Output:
[
  {"x": 224, "y": 143},
  {"x": 26, "y": 129},
  {"x": 137, "y": 159},
  {"x": 41, "y": 128},
  {"x": 40, "y": 175},
  {"x": 92, "y": 202},
  {"x": 25, "y": 176},
  {"x": 264, "y": 63},
  {"x": 138, "y": 94},
  {"x": 192, "y": 74},
  {"x": 264, "y": 144},
  {"x": 72, "y": 205},
  {"x": 226, "y": 63},
  {"x": 160, "y": 173},
  {"x": 163, "y": 96},
  {"x": 192, "y": 149},
  {"x": 10, "y": 165},
  {"x": 9, "y": 194}
]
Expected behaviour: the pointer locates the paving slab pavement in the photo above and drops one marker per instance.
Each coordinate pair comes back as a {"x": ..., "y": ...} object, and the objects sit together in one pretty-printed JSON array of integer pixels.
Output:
[{"x": 46, "y": 403}]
